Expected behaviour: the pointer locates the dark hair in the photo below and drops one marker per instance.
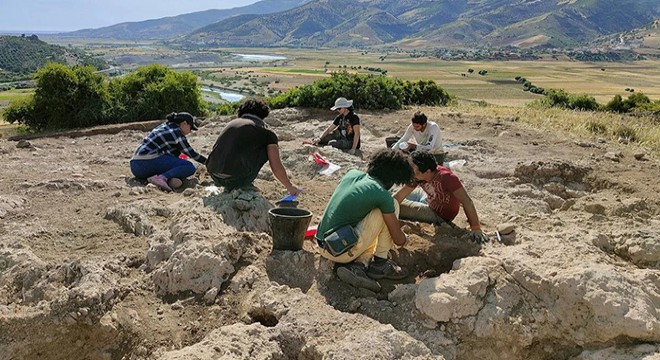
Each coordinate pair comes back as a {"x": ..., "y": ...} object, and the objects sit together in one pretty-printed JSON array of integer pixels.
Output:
[
  {"x": 390, "y": 167},
  {"x": 178, "y": 118},
  {"x": 419, "y": 118},
  {"x": 424, "y": 160},
  {"x": 255, "y": 107}
]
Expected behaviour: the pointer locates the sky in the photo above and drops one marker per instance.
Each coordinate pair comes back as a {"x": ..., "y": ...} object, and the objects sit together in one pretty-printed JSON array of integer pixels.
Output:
[{"x": 70, "y": 15}]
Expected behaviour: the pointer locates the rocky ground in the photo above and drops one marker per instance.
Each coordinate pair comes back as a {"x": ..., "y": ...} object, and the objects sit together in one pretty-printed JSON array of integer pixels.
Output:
[{"x": 95, "y": 265}]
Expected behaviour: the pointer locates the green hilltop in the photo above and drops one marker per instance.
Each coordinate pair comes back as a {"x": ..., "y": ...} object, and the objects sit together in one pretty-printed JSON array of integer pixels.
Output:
[{"x": 21, "y": 56}]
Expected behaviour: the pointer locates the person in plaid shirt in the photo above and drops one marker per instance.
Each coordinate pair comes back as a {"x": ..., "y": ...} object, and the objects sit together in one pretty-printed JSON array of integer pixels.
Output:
[{"x": 157, "y": 157}]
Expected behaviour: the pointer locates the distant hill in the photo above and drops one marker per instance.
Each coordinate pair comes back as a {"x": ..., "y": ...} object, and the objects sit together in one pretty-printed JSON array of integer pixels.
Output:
[
  {"x": 171, "y": 27},
  {"x": 645, "y": 40},
  {"x": 431, "y": 23},
  {"x": 21, "y": 56}
]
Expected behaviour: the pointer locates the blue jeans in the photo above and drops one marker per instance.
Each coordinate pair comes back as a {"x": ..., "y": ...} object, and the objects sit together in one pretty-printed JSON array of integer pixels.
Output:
[
  {"x": 166, "y": 165},
  {"x": 415, "y": 207}
]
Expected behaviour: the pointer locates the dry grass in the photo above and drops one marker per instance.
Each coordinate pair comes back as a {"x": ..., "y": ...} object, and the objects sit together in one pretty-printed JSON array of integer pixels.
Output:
[{"x": 641, "y": 132}]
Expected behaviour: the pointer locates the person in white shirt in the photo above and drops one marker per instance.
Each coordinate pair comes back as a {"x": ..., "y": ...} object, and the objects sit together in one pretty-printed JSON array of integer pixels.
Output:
[{"x": 427, "y": 137}]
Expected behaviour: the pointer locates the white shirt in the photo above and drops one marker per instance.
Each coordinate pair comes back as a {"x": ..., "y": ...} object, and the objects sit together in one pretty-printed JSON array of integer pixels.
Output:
[{"x": 428, "y": 140}]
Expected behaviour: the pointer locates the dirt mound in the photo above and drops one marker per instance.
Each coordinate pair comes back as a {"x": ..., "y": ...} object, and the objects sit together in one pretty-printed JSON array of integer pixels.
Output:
[{"x": 97, "y": 265}]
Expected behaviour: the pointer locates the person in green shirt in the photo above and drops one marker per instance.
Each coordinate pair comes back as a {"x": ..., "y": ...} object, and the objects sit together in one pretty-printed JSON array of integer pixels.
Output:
[{"x": 363, "y": 201}]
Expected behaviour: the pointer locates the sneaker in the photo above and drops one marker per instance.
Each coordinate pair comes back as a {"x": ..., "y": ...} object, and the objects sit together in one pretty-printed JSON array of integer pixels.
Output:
[
  {"x": 175, "y": 183},
  {"x": 353, "y": 274},
  {"x": 160, "y": 181},
  {"x": 386, "y": 269}
]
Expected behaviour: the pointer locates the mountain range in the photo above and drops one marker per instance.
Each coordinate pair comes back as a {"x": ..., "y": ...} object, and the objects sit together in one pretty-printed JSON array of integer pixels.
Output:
[
  {"x": 174, "y": 26},
  {"x": 404, "y": 23}
]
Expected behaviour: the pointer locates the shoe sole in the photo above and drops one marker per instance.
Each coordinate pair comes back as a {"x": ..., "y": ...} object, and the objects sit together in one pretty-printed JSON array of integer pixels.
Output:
[
  {"x": 159, "y": 183},
  {"x": 348, "y": 277},
  {"x": 175, "y": 183},
  {"x": 388, "y": 277}
]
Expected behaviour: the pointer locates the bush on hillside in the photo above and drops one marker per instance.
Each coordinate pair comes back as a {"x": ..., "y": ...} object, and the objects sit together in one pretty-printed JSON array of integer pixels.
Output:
[
  {"x": 368, "y": 92},
  {"x": 77, "y": 97},
  {"x": 64, "y": 98},
  {"x": 152, "y": 92},
  {"x": 634, "y": 102},
  {"x": 560, "y": 98},
  {"x": 230, "y": 108}
]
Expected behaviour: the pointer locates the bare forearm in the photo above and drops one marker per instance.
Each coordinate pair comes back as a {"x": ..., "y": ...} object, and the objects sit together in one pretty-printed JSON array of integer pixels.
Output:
[
  {"x": 356, "y": 137},
  {"x": 280, "y": 174},
  {"x": 402, "y": 193},
  {"x": 471, "y": 214}
]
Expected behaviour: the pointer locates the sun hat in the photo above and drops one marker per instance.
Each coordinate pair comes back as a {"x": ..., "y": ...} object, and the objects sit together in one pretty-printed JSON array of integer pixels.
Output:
[
  {"x": 187, "y": 117},
  {"x": 342, "y": 103}
]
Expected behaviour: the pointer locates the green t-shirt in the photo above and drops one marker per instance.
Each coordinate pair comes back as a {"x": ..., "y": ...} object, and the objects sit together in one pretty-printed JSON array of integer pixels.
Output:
[{"x": 355, "y": 196}]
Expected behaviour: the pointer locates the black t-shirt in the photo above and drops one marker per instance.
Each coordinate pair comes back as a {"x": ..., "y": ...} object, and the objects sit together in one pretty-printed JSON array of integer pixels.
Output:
[
  {"x": 345, "y": 125},
  {"x": 240, "y": 148}
]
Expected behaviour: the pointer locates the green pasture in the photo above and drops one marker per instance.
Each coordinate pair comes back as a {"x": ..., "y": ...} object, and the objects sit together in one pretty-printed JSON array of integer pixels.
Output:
[{"x": 14, "y": 94}]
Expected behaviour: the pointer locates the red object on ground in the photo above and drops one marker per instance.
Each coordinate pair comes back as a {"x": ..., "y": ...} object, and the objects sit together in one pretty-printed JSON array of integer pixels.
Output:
[
  {"x": 311, "y": 231},
  {"x": 319, "y": 159},
  {"x": 183, "y": 156}
]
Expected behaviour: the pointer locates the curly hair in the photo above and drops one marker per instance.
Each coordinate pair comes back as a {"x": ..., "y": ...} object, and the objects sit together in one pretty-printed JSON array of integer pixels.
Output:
[
  {"x": 255, "y": 107},
  {"x": 424, "y": 160},
  {"x": 390, "y": 167}
]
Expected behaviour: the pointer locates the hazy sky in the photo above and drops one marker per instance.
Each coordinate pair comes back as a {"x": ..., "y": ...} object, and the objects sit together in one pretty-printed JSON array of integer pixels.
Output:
[{"x": 69, "y": 15}]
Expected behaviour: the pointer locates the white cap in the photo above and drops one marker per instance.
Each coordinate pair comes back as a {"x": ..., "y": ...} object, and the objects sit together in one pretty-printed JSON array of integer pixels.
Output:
[{"x": 403, "y": 145}]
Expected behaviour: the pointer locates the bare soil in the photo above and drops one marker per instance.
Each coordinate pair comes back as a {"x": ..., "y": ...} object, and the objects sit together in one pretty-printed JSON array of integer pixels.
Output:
[{"x": 55, "y": 193}]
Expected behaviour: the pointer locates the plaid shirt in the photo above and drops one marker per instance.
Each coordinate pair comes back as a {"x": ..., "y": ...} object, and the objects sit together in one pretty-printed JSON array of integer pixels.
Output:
[{"x": 166, "y": 138}]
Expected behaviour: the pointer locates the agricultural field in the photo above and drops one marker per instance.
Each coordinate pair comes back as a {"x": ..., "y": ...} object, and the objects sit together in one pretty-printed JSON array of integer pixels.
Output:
[
  {"x": 279, "y": 69},
  {"x": 226, "y": 70},
  {"x": 497, "y": 86},
  {"x": 6, "y": 97}
]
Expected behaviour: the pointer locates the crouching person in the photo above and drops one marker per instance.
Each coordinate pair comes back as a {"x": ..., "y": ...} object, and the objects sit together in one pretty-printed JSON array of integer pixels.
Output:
[{"x": 363, "y": 210}]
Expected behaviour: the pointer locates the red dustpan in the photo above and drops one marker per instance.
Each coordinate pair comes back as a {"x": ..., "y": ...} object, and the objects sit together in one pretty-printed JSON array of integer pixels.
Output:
[{"x": 311, "y": 231}]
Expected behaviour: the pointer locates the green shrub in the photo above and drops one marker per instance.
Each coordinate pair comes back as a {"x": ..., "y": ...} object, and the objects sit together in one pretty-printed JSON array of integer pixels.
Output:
[
  {"x": 19, "y": 110},
  {"x": 560, "y": 98},
  {"x": 64, "y": 98},
  {"x": 77, "y": 97},
  {"x": 555, "y": 98},
  {"x": 152, "y": 92},
  {"x": 371, "y": 92},
  {"x": 583, "y": 102},
  {"x": 616, "y": 105},
  {"x": 225, "y": 108},
  {"x": 634, "y": 102}
]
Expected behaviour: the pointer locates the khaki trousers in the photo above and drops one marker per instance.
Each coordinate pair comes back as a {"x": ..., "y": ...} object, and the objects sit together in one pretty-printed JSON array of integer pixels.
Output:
[{"x": 374, "y": 238}]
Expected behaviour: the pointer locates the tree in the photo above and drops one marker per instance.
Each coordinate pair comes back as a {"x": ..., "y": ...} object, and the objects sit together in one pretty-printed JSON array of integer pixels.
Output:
[
  {"x": 64, "y": 98},
  {"x": 152, "y": 92},
  {"x": 77, "y": 97}
]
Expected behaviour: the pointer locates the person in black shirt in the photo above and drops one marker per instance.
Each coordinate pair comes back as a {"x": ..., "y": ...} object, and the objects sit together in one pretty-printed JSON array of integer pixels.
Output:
[
  {"x": 243, "y": 147},
  {"x": 344, "y": 132}
]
